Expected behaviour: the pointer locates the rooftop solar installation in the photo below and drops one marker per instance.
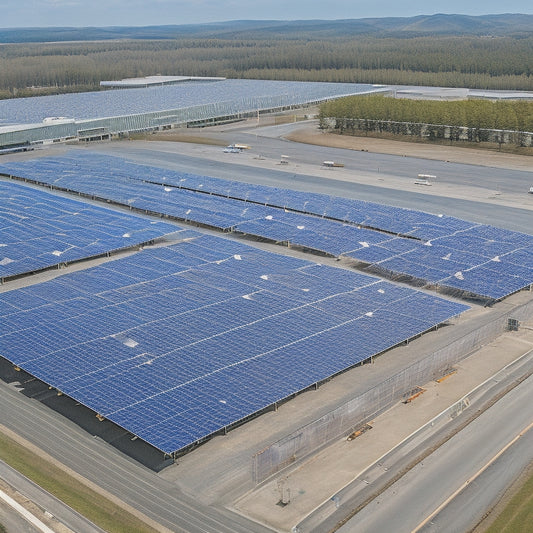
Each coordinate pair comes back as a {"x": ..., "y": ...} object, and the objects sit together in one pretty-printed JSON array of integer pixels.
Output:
[
  {"x": 475, "y": 260},
  {"x": 40, "y": 230},
  {"x": 176, "y": 343},
  {"x": 235, "y": 95}
]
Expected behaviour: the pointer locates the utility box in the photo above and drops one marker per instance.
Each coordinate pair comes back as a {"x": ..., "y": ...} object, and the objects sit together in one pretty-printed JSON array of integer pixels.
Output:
[{"x": 512, "y": 324}]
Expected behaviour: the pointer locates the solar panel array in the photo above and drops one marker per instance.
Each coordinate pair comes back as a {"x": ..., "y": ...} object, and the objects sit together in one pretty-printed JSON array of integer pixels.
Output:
[
  {"x": 176, "y": 343},
  {"x": 236, "y": 95},
  {"x": 40, "y": 230},
  {"x": 110, "y": 175},
  {"x": 480, "y": 260},
  {"x": 440, "y": 250}
]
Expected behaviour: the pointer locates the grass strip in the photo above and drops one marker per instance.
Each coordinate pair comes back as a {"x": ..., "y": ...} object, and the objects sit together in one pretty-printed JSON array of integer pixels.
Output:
[
  {"x": 517, "y": 516},
  {"x": 100, "y": 510}
]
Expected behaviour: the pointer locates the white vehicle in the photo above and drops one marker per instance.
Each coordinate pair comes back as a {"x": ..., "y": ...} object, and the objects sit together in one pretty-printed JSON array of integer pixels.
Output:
[
  {"x": 332, "y": 164},
  {"x": 232, "y": 150},
  {"x": 530, "y": 190},
  {"x": 423, "y": 179}
]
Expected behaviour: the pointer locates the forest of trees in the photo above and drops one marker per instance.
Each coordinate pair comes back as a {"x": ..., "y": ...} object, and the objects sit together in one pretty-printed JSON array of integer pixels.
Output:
[
  {"x": 450, "y": 61},
  {"x": 478, "y": 114}
]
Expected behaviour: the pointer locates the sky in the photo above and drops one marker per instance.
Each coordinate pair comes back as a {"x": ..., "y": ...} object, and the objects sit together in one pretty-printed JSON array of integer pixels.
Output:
[{"x": 82, "y": 13}]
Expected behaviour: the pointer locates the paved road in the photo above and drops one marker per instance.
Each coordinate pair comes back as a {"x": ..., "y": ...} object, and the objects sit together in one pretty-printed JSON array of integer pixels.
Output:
[
  {"x": 408, "y": 505},
  {"x": 46, "y": 501},
  {"x": 368, "y": 163},
  {"x": 102, "y": 464},
  {"x": 464, "y": 512},
  {"x": 483, "y": 181},
  {"x": 13, "y": 521},
  {"x": 140, "y": 487}
]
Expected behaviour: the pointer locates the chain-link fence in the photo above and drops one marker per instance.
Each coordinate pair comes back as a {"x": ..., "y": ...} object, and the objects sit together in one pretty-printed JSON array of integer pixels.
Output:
[
  {"x": 344, "y": 419},
  {"x": 428, "y": 131}
]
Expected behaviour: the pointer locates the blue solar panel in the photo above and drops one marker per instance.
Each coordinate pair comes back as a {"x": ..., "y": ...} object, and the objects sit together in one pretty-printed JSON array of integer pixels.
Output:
[
  {"x": 490, "y": 281},
  {"x": 370, "y": 254},
  {"x": 40, "y": 230},
  {"x": 174, "y": 357},
  {"x": 231, "y": 97},
  {"x": 452, "y": 244}
]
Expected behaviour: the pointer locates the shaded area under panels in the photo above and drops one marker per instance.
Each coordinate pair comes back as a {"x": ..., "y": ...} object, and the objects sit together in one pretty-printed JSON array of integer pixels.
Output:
[
  {"x": 40, "y": 230},
  {"x": 177, "y": 343},
  {"x": 472, "y": 259}
]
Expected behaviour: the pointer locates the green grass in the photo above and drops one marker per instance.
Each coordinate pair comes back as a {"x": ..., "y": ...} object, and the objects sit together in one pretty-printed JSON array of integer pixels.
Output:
[
  {"x": 86, "y": 501},
  {"x": 517, "y": 516}
]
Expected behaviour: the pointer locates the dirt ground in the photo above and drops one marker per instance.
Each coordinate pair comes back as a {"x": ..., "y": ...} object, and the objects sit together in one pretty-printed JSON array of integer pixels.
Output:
[
  {"x": 205, "y": 143},
  {"x": 308, "y": 132},
  {"x": 455, "y": 154}
]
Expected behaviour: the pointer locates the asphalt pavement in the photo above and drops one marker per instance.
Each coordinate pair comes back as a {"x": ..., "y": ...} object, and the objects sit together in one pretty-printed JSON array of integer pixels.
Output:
[
  {"x": 160, "y": 500},
  {"x": 410, "y": 503},
  {"x": 48, "y": 503},
  {"x": 119, "y": 477},
  {"x": 482, "y": 194}
]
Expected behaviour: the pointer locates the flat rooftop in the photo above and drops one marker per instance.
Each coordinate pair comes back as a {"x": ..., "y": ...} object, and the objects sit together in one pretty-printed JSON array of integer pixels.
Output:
[
  {"x": 457, "y": 93},
  {"x": 148, "y": 81}
]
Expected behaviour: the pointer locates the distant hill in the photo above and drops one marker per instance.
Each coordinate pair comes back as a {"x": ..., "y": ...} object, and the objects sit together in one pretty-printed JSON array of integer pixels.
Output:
[{"x": 440, "y": 24}]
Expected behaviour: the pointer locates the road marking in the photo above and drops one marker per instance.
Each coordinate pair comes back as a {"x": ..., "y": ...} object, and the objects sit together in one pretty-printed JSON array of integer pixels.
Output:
[
  {"x": 32, "y": 519},
  {"x": 469, "y": 480},
  {"x": 465, "y": 400}
]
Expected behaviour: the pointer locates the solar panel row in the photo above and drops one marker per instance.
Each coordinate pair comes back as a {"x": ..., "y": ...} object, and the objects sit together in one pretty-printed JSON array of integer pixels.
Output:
[
  {"x": 78, "y": 168},
  {"x": 176, "y": 343},
  {"x": 445, "y": 251},
  {"x": 40, "y": 230},
  {"x": 231, "y": 96}
]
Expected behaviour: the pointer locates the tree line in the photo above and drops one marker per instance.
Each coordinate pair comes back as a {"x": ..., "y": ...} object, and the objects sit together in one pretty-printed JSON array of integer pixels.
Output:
[
  {"x": 474, "y": 62},
  {"x": 478, "y": 114}
]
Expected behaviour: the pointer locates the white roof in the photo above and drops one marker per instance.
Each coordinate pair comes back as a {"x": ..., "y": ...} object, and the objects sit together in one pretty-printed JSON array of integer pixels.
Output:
[{"x": 154, "y": 80}]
